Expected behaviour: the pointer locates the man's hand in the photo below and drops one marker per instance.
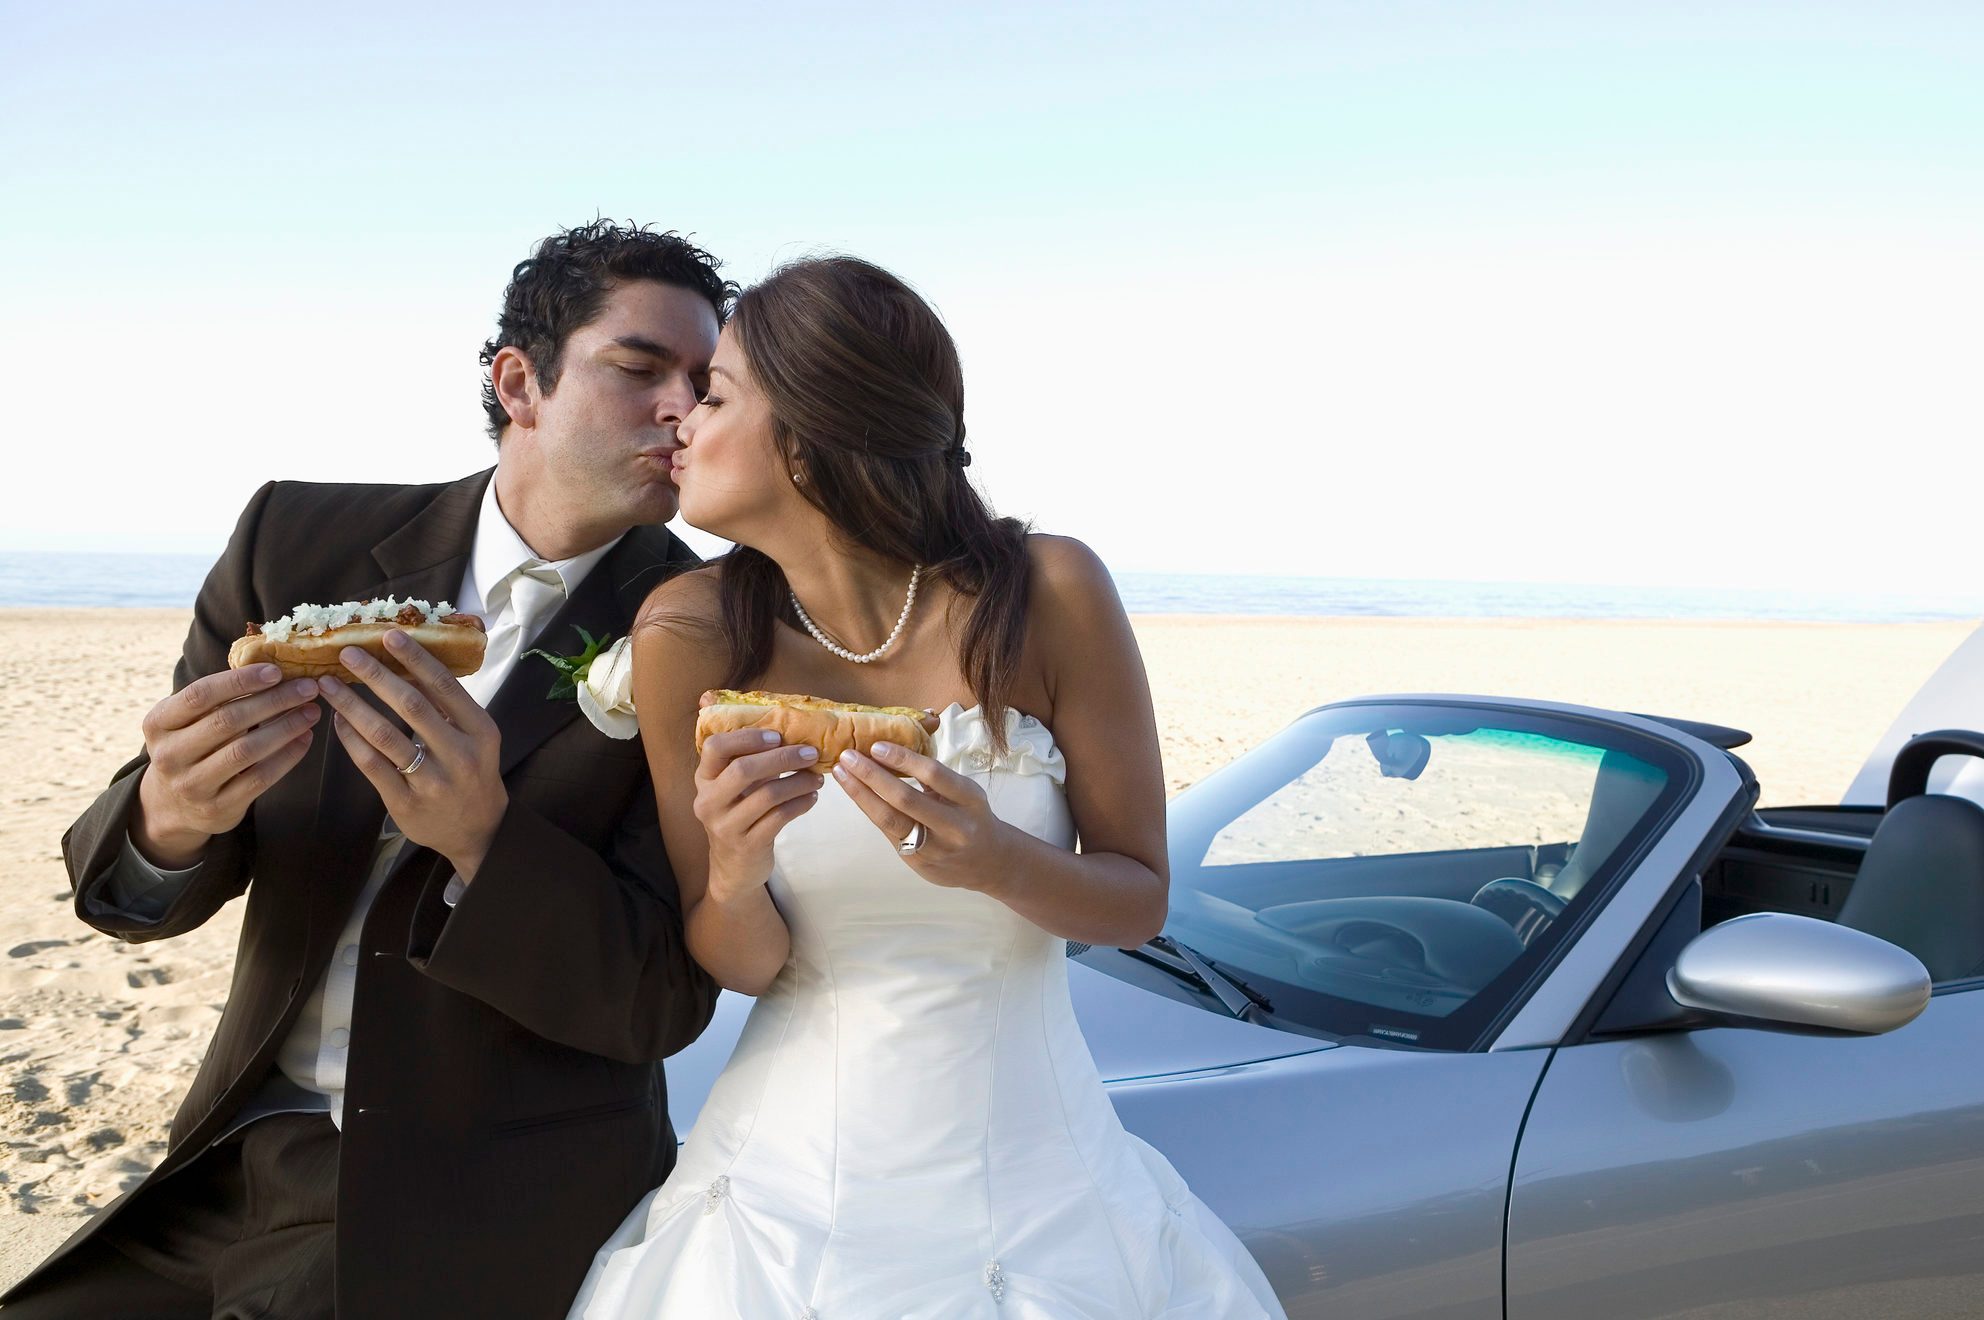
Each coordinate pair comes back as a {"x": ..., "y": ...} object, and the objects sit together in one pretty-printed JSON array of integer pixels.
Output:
[
  {"x": 454, "y": 799},
  {"x": 216, "y": 745}
]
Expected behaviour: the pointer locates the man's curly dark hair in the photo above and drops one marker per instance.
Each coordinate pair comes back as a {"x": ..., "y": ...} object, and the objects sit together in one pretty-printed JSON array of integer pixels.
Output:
[{"x": 563, "y": 285}]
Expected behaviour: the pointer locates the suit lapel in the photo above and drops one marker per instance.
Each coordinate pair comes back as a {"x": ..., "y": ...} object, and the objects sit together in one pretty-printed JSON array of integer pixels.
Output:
[
  {"x": 426, "y": 558},
  {"x": 604, "y": 605},
  {"x": 423, "y": 559}
]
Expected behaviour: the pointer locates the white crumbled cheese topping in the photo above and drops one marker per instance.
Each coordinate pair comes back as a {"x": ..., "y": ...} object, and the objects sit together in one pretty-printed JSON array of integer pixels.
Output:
[{"x": 313, "y": 619}]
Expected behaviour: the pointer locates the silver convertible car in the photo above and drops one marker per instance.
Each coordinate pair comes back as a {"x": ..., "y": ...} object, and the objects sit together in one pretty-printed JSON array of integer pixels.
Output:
[{"x": 1490, "y": 1009}]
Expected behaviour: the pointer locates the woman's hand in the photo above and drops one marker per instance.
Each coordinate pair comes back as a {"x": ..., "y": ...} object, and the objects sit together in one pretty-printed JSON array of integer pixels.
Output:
[
  {"x": 745, "y": 794},
  {"x": 963, "y": 841}
]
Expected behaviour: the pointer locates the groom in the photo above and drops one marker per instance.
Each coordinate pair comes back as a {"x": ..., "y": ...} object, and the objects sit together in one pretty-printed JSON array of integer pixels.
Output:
[{"x": 436, "y": 1086}]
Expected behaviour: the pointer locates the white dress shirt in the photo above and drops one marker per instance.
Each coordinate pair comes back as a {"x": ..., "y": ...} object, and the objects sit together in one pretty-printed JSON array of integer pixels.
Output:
[{"x": 515, "y": 593}]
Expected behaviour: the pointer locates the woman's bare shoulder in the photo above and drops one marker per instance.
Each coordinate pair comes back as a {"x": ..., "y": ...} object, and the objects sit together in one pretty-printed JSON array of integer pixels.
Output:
[
  {"x": 688, "y": 601},
  {"x": 1066, "y": 572},
  {"x": 678, "y": 633}
]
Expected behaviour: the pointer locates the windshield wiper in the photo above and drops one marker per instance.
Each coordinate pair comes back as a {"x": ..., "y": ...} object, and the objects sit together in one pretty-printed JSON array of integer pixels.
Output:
[{"x": 1239, "y": 999}]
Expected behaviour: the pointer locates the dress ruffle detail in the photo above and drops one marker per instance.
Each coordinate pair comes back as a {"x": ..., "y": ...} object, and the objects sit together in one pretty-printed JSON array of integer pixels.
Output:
[
  {"x": 677, "y": 1255},
  {"x": 964, "y": 743},
  {"x": 747, "y": 1262}
]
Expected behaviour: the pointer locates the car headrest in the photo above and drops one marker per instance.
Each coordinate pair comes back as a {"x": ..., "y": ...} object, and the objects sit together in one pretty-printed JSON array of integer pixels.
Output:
[
  {"x": 1921, "y": 884},
  {"x": 1626, "y": 786}
]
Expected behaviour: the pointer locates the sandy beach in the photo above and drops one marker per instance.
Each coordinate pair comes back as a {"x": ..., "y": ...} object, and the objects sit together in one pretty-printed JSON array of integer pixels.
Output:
[{"x": 98, "y": 1039}]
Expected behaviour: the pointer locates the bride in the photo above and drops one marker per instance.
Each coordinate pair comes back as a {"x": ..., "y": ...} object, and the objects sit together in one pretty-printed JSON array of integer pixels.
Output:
[{"x": 911, "y": 1124}]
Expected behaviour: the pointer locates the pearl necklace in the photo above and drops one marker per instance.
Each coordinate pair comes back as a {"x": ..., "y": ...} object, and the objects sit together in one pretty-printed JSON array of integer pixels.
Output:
[{"x": 915, "y": 572}]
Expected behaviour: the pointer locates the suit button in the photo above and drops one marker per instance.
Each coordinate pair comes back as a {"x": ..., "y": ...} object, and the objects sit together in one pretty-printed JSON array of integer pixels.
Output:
[
  {"x": 351, "y": 955},
  {"x": 340, "y": 1038}
]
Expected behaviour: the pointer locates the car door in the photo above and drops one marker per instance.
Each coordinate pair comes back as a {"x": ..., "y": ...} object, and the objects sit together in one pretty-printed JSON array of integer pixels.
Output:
[{"x": 1735, "y": 1172}]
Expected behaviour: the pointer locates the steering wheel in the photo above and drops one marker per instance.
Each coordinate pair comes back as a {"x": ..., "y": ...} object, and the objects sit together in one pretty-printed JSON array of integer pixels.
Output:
[
  {"x": 1528, "y": 907},
  {"x": 1434, "y": 946}
]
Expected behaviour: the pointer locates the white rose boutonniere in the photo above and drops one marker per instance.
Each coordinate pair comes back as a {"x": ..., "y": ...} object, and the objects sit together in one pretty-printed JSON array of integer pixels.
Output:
[
  {"x": 602, "y": 678},
  {"x": 606, "y": 693}
]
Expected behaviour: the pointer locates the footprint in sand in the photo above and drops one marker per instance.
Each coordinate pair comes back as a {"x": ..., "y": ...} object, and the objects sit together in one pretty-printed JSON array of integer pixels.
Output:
[
  {"x": 145, "y": 976},
  {"x": 29, "y": 1089},
  {"x": 34, "y": 947}
]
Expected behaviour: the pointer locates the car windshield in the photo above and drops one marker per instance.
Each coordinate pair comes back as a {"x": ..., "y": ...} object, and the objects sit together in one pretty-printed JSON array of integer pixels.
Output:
[{"x": 1401, "y": 872}]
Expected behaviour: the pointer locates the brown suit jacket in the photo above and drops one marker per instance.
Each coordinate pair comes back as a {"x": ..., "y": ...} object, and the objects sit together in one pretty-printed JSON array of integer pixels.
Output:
[{"x": 505, "y": 1105}]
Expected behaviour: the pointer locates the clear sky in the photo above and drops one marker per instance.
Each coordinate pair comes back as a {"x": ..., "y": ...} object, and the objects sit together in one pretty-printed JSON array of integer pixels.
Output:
[{"x": 1683, "y": 293}]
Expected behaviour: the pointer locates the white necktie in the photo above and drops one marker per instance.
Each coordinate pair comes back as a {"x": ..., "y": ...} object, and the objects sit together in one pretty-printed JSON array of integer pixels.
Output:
[{"x": 521, "y": 604}]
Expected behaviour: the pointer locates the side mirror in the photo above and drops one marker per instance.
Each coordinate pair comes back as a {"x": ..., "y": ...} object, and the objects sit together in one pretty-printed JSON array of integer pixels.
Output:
[{"x": 1770, "y": 969}]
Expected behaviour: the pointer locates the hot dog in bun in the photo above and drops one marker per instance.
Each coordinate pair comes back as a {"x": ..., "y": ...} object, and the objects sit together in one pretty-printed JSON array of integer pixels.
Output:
[
  {"x": 829, "y": 727},
  {"x": 306, "y": 641}
]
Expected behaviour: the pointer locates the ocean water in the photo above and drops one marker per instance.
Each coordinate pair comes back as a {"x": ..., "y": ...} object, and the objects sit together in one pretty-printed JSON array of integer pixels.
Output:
[
  {"x": 1175, "y": 593},
  {"x": 74, "y": 579},
  {"x": 52, "y": 578}
]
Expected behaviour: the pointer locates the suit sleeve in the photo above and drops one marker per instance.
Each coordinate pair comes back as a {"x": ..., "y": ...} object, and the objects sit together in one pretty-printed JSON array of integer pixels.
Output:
[
  {"x": 93, "y": 847},
  {"x": 133, "y": 887},
  {"x": 583, "y": 949}
]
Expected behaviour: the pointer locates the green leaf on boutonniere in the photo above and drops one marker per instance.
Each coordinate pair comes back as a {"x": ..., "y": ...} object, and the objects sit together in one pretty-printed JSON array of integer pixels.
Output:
[{"x": 572, "y": 668}]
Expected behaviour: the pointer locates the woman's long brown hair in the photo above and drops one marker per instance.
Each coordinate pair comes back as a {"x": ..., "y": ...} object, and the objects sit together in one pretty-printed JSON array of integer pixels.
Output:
[{"x": 867, "y": 400}]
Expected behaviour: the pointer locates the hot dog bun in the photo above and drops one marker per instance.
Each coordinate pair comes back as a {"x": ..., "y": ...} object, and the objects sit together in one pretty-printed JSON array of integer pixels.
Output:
[
  {"x": 829, "y": 727},
  {"x": 306, "y": 641}
]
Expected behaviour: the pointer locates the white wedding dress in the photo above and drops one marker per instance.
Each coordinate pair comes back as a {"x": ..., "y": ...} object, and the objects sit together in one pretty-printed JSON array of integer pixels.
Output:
[{"x": 911, "y": 1126}]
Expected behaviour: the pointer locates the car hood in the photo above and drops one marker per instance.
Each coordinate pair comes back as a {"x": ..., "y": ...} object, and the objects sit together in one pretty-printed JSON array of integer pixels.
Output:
[
  {"x": 1953, "y": 698},
  {"x": 1133, "y": 1033}
]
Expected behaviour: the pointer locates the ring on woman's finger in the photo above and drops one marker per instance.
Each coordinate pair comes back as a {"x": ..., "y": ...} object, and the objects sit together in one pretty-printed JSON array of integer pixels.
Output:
[
  {"x": 419, "y": 755},
  {"x": 917, "y": 834}
]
